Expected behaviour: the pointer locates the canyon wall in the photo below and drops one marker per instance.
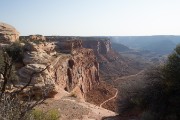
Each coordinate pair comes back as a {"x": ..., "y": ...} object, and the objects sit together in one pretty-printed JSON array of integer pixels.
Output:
[
  {"x": 99, "y": 45},
  {"x": 64, "y": 65}
]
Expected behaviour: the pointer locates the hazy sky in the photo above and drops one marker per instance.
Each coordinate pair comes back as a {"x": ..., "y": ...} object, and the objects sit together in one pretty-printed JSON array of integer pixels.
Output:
[{"x": 92, "y": 17}]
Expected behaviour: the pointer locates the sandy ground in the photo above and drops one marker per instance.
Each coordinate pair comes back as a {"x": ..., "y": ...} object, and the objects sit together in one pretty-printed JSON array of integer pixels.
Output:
[{"x": 71, "y": 108}]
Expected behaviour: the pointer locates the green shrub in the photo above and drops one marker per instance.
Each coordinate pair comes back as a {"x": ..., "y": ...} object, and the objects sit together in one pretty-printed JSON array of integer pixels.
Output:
[
  {"x": 38, "y": 114},
  {"x": 52, "y": 115},
  {"x": 73, "y": 95},
  {"x": 49, "y": 115}
]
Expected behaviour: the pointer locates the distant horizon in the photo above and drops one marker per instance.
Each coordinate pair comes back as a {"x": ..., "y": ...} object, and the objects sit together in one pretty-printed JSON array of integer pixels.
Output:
[{"x": 92, "y": 17}]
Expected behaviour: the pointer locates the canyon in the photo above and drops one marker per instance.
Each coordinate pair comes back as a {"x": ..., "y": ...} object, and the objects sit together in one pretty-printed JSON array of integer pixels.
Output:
[
  {"x": 58, "y": 68},
  {"x": 72, "y": 69}
]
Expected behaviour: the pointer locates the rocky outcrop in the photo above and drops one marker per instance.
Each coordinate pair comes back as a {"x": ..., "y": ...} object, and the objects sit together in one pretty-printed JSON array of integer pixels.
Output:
[
  {"x": 36, "y": 38},
  {"x": 8, "y": 33},
  {"x": 75, "y": 71}
]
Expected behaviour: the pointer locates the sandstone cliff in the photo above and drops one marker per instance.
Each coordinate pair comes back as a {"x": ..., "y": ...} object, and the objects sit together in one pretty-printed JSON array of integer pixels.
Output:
[{"x": 76, "y": 70}]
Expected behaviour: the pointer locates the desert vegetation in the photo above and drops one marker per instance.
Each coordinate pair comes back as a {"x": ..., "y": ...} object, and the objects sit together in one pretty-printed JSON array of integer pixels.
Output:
[
  {"x": 38, "y": 114},
  {"x": 15, "y": 51},
  {"x": 159, "y": 99}
]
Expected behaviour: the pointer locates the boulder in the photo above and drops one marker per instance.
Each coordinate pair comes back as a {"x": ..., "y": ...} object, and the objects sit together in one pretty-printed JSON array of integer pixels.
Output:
[{"x": 8, "y": 33}]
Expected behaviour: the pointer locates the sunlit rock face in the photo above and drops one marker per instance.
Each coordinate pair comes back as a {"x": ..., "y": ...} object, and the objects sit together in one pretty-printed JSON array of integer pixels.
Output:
[
  {"x": 99, "y": 45},
  {"x": 67, "y": 66},
  {"x": 8, "y": 33}
]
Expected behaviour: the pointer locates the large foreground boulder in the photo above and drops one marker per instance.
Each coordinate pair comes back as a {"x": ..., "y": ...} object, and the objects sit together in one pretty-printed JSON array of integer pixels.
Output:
[{"x": 8, "y": 33}]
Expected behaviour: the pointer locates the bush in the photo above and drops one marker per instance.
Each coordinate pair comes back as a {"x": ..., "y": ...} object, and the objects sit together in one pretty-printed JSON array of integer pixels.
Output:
[
  {"x": 73, "y": 95},
  {"x": 53, "y": 115},
  {"x": 15, "y": 51},
  {"x": 37, "y": 114},
  {"x": 49, "y": 115}
]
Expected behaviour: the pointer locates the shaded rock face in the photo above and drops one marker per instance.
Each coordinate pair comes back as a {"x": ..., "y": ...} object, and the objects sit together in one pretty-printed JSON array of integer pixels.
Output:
[
  {"x": 8, "y": 33},
  {"x": 76, "y": 72}
]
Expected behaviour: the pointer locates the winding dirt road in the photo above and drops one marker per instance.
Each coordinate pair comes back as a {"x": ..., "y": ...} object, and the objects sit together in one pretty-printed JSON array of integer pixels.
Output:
[
  {"x": 126, "y": 77},
  {"x": 109, "y": 98}
]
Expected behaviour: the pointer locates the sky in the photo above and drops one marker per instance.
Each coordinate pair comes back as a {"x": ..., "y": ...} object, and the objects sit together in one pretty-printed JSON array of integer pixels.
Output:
[{"x": 92, "y": 17}]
